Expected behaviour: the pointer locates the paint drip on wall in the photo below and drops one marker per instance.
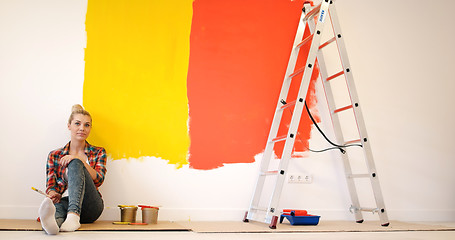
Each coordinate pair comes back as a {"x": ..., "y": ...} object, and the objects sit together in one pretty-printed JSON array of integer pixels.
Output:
[{"x": 190, "y": 82}]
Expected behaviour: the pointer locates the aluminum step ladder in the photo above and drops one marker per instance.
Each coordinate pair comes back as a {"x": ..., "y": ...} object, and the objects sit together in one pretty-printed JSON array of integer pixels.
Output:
[{"x": 314, "y": 18}]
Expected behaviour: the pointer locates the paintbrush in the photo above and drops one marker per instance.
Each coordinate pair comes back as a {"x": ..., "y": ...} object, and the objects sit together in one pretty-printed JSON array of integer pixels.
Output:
[{"x": 41, "y": 192}]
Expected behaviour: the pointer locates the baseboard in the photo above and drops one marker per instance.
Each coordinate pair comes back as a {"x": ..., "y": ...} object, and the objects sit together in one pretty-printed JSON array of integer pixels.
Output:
[{"x": 236, "y": 214}]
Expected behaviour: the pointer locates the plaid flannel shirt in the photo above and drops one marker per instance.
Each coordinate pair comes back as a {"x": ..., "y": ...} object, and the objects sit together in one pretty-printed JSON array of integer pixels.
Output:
[{"x": 55, "y": 172}]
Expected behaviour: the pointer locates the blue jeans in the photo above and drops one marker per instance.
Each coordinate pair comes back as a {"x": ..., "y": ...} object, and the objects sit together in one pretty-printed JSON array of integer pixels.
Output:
[{"x": 83, "y": 198}]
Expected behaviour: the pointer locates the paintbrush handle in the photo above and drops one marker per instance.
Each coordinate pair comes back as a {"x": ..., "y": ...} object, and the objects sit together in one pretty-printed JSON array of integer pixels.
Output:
[{"x": 41, "y": 192}]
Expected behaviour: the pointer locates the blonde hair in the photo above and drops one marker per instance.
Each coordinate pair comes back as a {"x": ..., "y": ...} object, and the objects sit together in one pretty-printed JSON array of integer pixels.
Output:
[{"x": 78, "y": 109}]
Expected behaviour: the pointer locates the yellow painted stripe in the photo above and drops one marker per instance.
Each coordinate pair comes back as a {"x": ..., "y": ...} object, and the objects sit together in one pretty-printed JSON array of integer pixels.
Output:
[{"x": 135, "y": 77}]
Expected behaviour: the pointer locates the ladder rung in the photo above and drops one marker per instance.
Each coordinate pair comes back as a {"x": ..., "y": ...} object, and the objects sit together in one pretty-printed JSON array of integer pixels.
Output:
[
  {"x": 355, "y": 209},
  {"x": 369, "y": 209},
  {"x": 307, "y": 39},
  {"x": 359, "y": 176},
  {"x": 327, "y": 43},
  {"x": 313, "y": 12},
  {"x": 353, "y": 141},
  {"x": 342, "y": 109},
  {"x": 258, "y": 209},
  {"x": 268, "y": 173},
  {"x": 297, "y": 72},
  {"x": 335, "y": 75},
  {"x": 286, "y": 105},
  {"x": 281, "y": 138}
]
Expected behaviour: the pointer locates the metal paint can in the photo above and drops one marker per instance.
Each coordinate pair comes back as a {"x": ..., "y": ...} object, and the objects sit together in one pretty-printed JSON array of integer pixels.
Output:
[
  {"x": 128, "y": 213},
  {"x": 149, "y": 214}
]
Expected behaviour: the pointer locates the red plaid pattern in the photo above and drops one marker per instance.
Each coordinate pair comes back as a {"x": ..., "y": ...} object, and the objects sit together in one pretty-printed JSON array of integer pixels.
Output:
[{"x": 55, "y": 172}]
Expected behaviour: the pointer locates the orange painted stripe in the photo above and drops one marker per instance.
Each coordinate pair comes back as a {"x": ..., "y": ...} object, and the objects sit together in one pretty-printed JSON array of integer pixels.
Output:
[{"x": 238, "y": 56}]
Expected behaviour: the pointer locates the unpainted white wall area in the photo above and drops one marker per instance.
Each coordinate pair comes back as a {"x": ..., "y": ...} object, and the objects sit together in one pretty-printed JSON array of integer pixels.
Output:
[
  {"x": 41, "y": 76},
  {"x": 401, "y": 54}
]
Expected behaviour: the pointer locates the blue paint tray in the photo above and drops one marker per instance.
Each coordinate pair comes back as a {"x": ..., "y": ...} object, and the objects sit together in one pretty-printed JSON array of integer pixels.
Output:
[{"x": 300, "y": 220}]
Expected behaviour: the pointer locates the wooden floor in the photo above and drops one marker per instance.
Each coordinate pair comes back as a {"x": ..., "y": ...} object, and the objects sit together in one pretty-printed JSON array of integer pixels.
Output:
[
  {"x": 189, "y": 235},
  {"x": 324, "y": 226},
  {"x": 30, "y": 229},
  {"x": 238, "y": 226}
]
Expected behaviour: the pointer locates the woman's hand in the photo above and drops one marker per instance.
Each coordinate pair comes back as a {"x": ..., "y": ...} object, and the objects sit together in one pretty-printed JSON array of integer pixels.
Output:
[
  {"x": 54, "y": 196},
  {"x": 65, "y": 160}
]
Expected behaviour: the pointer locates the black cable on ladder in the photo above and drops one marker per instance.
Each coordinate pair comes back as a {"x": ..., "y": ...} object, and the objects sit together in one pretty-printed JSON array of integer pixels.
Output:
[
  {"x": 322, "y": 133},
  {"x": 336, "y": 146}
]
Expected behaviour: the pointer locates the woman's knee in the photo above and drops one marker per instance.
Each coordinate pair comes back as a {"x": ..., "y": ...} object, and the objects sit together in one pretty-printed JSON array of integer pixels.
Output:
[
  {"x": 76, "y": 164},
  {"x": 90, "y": 216}
]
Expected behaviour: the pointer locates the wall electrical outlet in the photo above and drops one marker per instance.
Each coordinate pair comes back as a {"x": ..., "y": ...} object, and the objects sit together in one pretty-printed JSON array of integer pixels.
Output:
[
  {"x": 305, "y": 178},
  {"x": 300, "y": 178},
  {"x": 291, "y": 178}
]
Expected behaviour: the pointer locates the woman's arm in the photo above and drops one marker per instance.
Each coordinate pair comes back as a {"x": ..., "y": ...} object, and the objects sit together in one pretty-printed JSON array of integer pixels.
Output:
[
  {"x": 51, "y": 179},
  {"x": 100, "y": 167},
  {"x": 97, "y": 172},
  {"x": 65, "y": 160}
]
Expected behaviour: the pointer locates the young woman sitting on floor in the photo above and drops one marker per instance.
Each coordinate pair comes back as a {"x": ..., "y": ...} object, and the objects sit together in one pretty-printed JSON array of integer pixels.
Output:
[{"x": 79, "y": 168}]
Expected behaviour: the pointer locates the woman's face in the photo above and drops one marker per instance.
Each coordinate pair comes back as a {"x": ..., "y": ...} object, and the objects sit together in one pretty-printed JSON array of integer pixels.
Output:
[{"x": 80, "y": 127}]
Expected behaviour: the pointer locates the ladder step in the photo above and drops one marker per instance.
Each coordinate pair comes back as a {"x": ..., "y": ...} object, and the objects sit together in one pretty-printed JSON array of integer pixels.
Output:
[
  {"x": 373, "y": 210},
  {"x": 258, "y": 209},
  {"x": 359, "y": 176},
  {"x": 297, "y": 72},
  {"x": 356, "y": 209},
  {"x": 327, "y": 43},
  {"x": 278, "y": 139},
  {"x": 342, "y": 109},
  {"x": 353, "y": 141},
  {"x": 313, "y": 12},
  {"x": 268, "y": 173},
  {"x": 289, "y": 104},
  {"x": 335, "y": 75},
  {"x": 304, "y": 41}
]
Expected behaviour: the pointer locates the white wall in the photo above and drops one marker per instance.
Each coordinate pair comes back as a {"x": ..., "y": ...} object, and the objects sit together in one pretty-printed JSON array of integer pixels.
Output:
[{"x": 401, "y": 55}]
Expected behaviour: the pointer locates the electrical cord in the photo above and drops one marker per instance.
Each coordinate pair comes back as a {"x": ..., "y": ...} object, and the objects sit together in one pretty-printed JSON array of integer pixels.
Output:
[{"x": 336, "y": 146}]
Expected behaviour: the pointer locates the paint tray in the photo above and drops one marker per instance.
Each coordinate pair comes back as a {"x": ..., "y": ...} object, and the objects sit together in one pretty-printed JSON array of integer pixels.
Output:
[
  {"x": 301, "y": 220},
  {"x": 299, "y": 217}
]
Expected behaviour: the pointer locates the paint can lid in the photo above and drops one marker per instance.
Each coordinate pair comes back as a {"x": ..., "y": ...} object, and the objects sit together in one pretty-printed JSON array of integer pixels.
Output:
[
  {"x": 145, "y": 206},
  {"x": 126, "y": 206}
]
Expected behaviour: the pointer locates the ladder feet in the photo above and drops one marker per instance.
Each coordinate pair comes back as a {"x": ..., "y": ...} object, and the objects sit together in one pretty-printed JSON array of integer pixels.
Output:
[
  {"x": 245, "y": 219},
  {"x": 385, "y": 224},
  {"x": 359, "y": 221},
  {"x": 273, "y": 223}
]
